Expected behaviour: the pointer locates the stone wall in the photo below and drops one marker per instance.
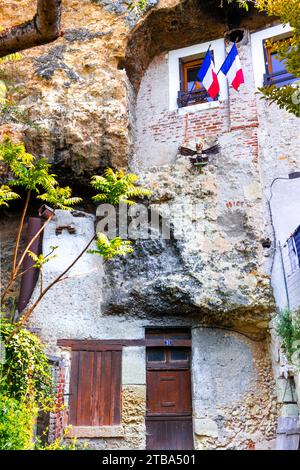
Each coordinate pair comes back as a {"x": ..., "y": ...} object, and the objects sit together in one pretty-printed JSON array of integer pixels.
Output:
[{"x": 234, "y": 400}]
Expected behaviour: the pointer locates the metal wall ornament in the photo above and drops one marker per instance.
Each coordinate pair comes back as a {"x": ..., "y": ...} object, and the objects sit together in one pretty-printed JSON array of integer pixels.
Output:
[{"x": 199, "y": 157}]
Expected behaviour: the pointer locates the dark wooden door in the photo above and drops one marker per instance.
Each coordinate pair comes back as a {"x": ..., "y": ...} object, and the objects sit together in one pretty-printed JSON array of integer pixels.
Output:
[{"x": 169, "y": 402}]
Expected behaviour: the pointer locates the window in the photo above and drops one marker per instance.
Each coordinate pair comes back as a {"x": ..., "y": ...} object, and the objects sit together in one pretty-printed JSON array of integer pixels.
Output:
[
  {"x": 276, "y": 73},
  {"x": 167, "y": 356},
  {"x": 95, "y": 386},
  {"x": 176, "y": 60},
  {"x": 191, "y": 90}
]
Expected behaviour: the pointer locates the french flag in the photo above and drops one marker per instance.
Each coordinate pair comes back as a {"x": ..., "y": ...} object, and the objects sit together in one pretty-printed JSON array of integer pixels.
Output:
[
  {"x": 208, "y": 76},
  {"x": 232, "y": 68}
]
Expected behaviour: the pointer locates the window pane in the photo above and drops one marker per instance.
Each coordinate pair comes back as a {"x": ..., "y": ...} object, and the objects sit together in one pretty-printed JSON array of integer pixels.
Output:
[
  {"x": 156, "y": 355},
  {"x": 193, "y": 82},
  {"x": 277, "y": 65},
  {"x": 179, "y": 355}
]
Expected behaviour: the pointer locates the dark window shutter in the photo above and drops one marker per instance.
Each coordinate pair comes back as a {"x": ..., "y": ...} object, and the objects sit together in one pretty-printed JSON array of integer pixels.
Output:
[{"x": 95, "y": 388}]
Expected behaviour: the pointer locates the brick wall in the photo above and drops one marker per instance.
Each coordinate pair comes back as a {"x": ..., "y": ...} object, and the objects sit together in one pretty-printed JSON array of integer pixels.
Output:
[{"x": 58, "y": 418}]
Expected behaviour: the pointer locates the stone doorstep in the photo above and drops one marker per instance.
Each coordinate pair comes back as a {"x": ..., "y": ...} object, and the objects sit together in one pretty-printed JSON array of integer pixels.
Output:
[{"x": 96, "y": 431}]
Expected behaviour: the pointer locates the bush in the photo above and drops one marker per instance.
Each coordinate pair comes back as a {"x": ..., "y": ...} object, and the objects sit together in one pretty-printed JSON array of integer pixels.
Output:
[
  {"x": 25, "y": 373},
  {"x": 17, "y": 420}
]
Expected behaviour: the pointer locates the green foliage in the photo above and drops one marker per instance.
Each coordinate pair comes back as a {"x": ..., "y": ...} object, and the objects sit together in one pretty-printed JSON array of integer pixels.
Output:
[
  {"x": 40, "y": 260},
  {"x": 34, "y": 175},
  {"x": 27, "y": 171},
  {"x": 11, "y": 152},
  {"x": 111, "y": 248},
  {"x": 17, "y": 419},
  {"x": 58, "y": 444},
  {"x": 288, "y": 328},
  {"x": 3, "y": 91},
  {"x": 137, "y": 5},
  {"x": 11, "y": 57},
  {"x": 26, "y": 372},
  {"x": 117, "y": 187},
  {"x": 60, "y": 198},
  {"x": 6, "y": 194}
]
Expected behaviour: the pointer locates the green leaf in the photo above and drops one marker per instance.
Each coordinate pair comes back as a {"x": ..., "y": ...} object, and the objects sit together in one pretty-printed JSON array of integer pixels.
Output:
[
  {"x": 109, "y": 249},
  {"x": 7, "y": 195},
  {"x": 60, "y": 198},
  {"x": 117, "y": 187}
]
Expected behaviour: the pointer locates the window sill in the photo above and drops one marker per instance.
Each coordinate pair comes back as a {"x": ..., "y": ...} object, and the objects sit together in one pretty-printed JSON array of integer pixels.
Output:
[
  {"x": 96, "y": 431},
  {"x": 195, "y": 108}
]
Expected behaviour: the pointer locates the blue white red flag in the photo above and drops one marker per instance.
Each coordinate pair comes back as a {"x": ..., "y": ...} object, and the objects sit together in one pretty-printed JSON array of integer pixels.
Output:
[
  {"x": 208, "y": 76},
  {"x": 232, "y": 68}
]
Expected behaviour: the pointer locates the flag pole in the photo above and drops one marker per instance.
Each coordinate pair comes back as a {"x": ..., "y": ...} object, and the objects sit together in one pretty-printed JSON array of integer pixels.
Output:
[{"x": 235, "y": 42}]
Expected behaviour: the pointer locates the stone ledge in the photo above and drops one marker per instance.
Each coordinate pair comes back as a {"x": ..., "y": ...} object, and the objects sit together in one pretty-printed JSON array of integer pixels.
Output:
[{"x": 96, "y": 431}]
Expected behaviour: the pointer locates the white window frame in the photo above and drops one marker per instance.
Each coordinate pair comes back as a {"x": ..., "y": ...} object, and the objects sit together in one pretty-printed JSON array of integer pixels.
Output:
[
  {"x": 218, "y": 48},
  {"x": 257, "y": 48}
]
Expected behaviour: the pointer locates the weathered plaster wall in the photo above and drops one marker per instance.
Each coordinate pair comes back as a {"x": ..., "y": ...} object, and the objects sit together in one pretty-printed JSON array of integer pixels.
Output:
[{"x": 234, "y": 401}]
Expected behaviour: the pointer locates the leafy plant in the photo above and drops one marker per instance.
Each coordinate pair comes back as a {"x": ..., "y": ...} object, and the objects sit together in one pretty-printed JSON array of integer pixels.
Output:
[
  {"x": 117, "y": 187},
  {"x": 137, "y": 5},
  {"x": 40, "y": 260},
  {"x": 6, "y": 194},
  {"x": 59, "y": 444},
  {"x": 34, "y": 175},
  {"x": 11, "y": 57},
  {"x": 108, "y": 249},
  {"x": 17, "y": 419},
  {"x": 26, "y": 372},
  {"x": 3, "y": 91},
  {"x": 60, "y": 198}
]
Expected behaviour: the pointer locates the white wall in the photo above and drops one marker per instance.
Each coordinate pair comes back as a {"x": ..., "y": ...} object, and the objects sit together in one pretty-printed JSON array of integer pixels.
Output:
[
  {"x": 285, "y": 205},
  {"x": 258, "y": 57}
]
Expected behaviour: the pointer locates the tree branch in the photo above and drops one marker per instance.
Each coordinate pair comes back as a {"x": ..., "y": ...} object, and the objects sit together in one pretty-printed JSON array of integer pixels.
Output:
[
  {"x": 43, "y": 28},
  {"x": 28, "y": 312}
]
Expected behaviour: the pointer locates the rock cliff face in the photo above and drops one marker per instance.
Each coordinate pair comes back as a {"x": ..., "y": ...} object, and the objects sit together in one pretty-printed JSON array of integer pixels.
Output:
[{"x": 212, "y": 264}]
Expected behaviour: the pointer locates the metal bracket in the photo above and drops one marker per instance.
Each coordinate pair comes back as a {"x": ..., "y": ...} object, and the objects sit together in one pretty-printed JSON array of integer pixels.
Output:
[{"x": 71, "y": 229}]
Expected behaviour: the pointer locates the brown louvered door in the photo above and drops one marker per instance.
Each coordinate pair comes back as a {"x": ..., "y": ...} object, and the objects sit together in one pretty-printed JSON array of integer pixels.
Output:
[
  {"x": 169, "y": 401},
  {"x": 95, "y": 388}
]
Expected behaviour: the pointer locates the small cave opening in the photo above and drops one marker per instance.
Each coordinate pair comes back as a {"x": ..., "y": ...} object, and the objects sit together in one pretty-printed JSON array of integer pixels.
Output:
[{"x": 235, "y": 35}]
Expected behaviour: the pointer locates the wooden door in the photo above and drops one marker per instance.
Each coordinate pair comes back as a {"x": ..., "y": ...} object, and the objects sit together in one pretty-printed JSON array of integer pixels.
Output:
[{"x": 169, "y": 402}]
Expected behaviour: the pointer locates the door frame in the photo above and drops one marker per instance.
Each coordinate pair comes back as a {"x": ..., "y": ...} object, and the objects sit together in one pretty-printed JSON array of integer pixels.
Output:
[{"x": 185, "y": 341}]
